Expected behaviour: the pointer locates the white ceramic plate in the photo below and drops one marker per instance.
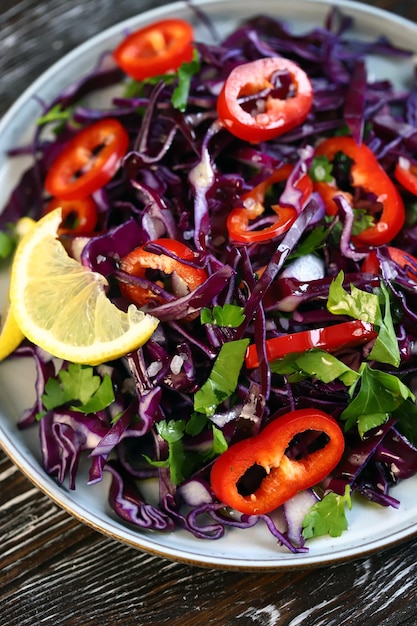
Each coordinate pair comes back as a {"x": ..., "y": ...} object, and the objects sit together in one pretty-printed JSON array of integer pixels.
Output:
[{"x": 371, "y": 528}]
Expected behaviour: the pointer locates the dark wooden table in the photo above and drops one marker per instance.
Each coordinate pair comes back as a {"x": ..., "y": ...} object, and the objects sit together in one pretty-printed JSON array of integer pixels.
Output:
[{"x": 54, "y": 570}]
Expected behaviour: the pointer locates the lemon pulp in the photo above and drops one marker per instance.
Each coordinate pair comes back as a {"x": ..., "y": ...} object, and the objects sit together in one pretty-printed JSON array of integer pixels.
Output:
[{"x": 62, "y": 306}]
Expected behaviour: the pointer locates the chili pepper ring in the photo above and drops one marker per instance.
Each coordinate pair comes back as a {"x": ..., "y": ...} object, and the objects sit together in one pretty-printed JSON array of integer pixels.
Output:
[{"x": 283, "y": 477}]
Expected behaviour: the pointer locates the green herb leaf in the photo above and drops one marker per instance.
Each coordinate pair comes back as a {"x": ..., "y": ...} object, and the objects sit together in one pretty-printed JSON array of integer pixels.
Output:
[
  {"x": 196, "y": 424},
  {"x": 185, "y": 73},
  {"x": 379, "y": 395},
  {"x": 321, "y": 169},
  {"x": 229, "y": 315},
  {"x": 312, "y": 243},
  {"x": 361, "y": 221},
  {"x": 172, "y": 432},
  {"x": 79, "y": 385},
  {"x": 328, "y": 516},
  {"x": 56, "y": 115},
  {"x": 386, "y": 348},
  {"x": 101, "y": 399},
  {"x": 181, "y": 462},
  {"x": 366, "y": 307},
  {"x": 358, "y": 304},
  {"x": 223, "y": 377},
  {"x": 315, "y": 364},
  {"x": 7, "y": 244},
  {"x": 406, "y": 416},
  {"x": 219, "y": 444}
]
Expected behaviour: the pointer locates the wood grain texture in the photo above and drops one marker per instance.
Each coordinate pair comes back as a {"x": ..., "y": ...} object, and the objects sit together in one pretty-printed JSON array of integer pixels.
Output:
[{"x": 54, "y": 570}]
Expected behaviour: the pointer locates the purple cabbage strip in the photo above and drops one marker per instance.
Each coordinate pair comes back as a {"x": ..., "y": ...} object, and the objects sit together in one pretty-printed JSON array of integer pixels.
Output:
[
  {"x": 129, "y": 504},
  {"x": 64, "y": 435},
  {"x": 45, "y": 369}
]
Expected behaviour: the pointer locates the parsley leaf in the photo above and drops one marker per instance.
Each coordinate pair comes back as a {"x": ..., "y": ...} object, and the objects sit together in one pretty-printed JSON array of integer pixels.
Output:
[
  {"x": 358, "y": 304},
  {"x": 386, "y": 348},
  {"x": 223, "y": 377},
  {"x": 406, "y": 416},
  {"x": 183, "y": 77},
  {"x": 172, "y": 432},
  {"x": 314, "y": 241},
  {"x": 316, "y": 364},
  {"x": 379, "y": 395},
  {"x": 365, "y": 306},
  {"x": 219, "y": 444},
  {"x": 320, "y": 170},
  {"x": 185, "y": 73},
  {"x": 78, "y": 385},
  {"x": 56, "y": 115},
  {"x": 181, "y": 462},
  {"x": 229, "y": 315},
  {"x": 361, "y": 221},
  {"x": 196, "y": 424},
  {"x": 328, "y": 516},
  {"x": 137, "y": 88}
]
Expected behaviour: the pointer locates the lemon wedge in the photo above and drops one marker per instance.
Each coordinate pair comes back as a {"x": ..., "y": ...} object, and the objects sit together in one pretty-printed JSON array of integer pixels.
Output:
[
  {"x": 10, "y": 334},
  {"x": 62, "y": 306}
]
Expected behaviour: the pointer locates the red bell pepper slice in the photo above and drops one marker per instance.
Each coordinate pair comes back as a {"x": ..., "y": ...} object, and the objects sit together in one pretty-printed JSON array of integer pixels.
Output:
[
  {"x": 405, "y": 260},
  {"x": 330, "y": 339},
  {"x": 140, "y": 260},
  {"x": 88, "y": 161},
  {"x": 282, "y": 477},
  {"x": 272, "y": 114},
  {"x": 366, "y": 172},
  {"x": 79, "y": 217},
  {"x": 155, "y": 49},
  {"x": 406, "y": 174},
  {"x": 253, "y": 206}
]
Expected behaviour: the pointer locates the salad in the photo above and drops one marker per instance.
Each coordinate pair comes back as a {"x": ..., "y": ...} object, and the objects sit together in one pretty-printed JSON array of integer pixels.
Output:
[{"x": 255, "y": 199}]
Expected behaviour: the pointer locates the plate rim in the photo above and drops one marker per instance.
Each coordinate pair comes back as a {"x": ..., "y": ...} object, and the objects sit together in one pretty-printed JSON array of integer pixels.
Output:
[{"x": 46, "y": 484}]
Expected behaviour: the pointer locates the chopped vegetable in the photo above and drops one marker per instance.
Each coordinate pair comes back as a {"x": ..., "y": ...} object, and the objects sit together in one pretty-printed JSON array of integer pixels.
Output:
[
  {"x": 88, "y": 161},
  {"x": 184, "y": 276},
  {"x": 365, "y": 173},
  {"x": 155, "y": 49},
  {"x": 78, "y": 216},
  {"x": 328, "y": 338},
  {"x": 223, "y": 378},
  {"x": 253, "y": 207},
  {"x": 257, "y": 475},
  {"x": 78, "y": 384},
  {"x": 401, "y": 258},
  {"x": 229, "y": 315},
  {"x": 406, "y": 174},
  {"x": 328, "y": 516},
  {"x": 265, "y": 98}
]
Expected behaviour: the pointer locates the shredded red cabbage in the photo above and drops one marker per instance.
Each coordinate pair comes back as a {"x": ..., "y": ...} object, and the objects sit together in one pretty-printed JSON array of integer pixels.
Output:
[{"x": 182, "y": 175}]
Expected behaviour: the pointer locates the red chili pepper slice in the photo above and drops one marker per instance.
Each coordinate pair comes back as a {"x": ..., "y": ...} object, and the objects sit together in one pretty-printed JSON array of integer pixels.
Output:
[
  {"x": 155, "y": 49},
  {"x": 405, "y": 260},
  {"x": 282, "y": 477},
  {"x": 140, "y": 260},
  {"x": 330, "y": 339},
  {"x": 88, "y": 161},
  {"x": 79, "y": 217},
  {"x": 367, "y": 173},
  {"x": 254, "y": 205},
  {"x": 271, "y": 115},
  {"x": 406, "y": 174}
]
